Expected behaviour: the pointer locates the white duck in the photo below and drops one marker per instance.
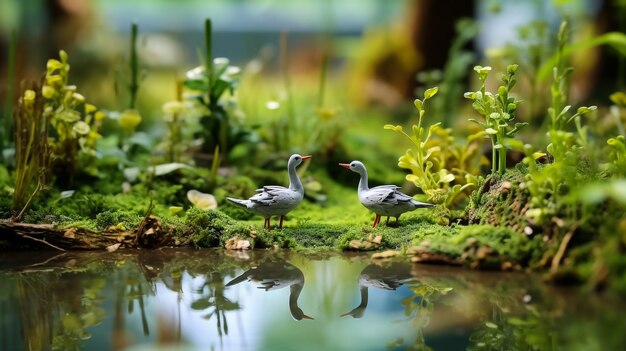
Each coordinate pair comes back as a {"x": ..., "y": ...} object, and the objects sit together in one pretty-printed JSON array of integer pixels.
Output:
[
  {"x": 274, "y": 200},
  {"x": 384, "y": 200}
]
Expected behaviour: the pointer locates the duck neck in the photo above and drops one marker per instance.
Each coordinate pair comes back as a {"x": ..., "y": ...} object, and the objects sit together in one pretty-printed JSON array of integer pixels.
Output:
[
  {"x": 294, "y": 181},
  {"x": 363, "y": 185}
]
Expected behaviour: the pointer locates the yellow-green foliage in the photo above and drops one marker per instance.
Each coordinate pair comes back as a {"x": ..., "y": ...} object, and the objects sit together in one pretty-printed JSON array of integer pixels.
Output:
[
  {"x": 31, "y": 149},
  {"x": 75, "y": 122},
  {"x": 441, "y": 169},
  {"x": 499, "y": 111}
]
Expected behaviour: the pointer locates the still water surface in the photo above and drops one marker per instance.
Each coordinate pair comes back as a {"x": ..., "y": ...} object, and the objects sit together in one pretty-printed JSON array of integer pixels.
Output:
[{"x": 261, "y": 300}]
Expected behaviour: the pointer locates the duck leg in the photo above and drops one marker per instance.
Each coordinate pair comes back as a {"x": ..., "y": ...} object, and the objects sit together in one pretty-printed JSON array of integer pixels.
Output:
[
  {"x": 397, "y": 219},
  {"x": 376, "y": 221},
  {"x": 269, "y": 224},
  {"x": 265, "y": 223},
  {"x": 281, "y": 222},
  {"x": 387, "y": 222}
]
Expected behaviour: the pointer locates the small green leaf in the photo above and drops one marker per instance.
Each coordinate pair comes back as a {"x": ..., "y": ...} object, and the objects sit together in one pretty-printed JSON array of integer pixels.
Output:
[
  {"x": 430, "y": 93},
  {"x": 419, "y": 104},
  {"x": 491, "y": 325}
]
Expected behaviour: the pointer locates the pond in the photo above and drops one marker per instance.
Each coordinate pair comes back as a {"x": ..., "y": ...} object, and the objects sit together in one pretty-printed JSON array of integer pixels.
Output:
[{"x": 283, "y": 300}]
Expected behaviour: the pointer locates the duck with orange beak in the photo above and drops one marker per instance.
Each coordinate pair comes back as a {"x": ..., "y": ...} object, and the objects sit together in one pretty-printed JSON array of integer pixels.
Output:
[
  {"x": 275, "y": 200},
  {"x": 384, "y": 200}
]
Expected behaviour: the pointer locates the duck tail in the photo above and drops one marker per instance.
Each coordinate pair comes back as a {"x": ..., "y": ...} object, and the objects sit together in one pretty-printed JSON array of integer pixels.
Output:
[
  {"x": 238, "y": 202},
  {"x": 418, "y": 204}
]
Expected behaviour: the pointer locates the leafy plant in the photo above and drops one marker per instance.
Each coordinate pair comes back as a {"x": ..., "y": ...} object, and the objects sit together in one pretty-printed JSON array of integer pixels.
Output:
[
  {"x": 208, "y": 86},
  {"x": 433, "y": 152},
  {"x": 75, "y": 123},
  {"x": 499, "y": 112}
]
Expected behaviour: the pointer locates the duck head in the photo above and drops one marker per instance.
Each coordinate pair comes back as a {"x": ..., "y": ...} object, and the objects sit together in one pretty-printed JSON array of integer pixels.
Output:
[
  {"x": 354, "y": 166},
  {"x": 295, "y": 160}
]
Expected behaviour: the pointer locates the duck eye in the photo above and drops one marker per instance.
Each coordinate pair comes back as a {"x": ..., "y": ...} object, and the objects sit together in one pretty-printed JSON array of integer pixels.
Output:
[
  {"x": 297, "y": 157},
  {"x": 353, "y": 165}
]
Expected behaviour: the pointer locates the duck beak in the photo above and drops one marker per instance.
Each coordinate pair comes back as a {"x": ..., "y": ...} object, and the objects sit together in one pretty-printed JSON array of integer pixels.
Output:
[
  {"x": 306, "y": 157},
  {"x": 345, "y": 165}
]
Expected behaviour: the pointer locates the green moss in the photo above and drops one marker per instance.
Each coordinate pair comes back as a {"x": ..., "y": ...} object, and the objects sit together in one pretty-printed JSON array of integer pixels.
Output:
[
  {"x": 278, "y": 238},
  {"x": 499, "y": 201},
  {"x": 212, "y": 228}
]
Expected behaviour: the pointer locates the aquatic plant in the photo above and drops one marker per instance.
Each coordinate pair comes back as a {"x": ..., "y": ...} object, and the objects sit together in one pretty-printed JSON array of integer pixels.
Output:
[
  {"x": 499, "y": 111},
  {"x": 32, "y": 152}
]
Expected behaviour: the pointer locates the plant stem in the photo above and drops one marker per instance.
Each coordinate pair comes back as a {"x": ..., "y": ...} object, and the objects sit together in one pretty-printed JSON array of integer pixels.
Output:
[
  {"x": 134, "y": 66},
  {"x": 208, "y": 64}
]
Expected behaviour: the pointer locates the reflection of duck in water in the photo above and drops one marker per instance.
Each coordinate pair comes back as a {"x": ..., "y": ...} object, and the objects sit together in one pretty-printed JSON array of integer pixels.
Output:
[
  {"x": 375, "y": 276},
  {"x": 274, "y": 276}
]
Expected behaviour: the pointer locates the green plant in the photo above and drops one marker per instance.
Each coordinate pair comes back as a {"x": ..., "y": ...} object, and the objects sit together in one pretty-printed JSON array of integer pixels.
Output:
[
  {"x": 548, "y": 183},
  {"x": 208, "y": 86},
  {"x": 431, "y": 154},
  {"x": 31, "y": 149},
  {"x": 499, "y": 112},
  {"x": 75, "y": 123}
]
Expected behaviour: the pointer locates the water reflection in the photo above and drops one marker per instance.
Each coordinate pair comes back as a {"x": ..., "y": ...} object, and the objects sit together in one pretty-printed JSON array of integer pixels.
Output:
[
  {"x": 274, "y": 275},
  {"x": 378, "y": 276},
  {"x": 201, "y": 299}
]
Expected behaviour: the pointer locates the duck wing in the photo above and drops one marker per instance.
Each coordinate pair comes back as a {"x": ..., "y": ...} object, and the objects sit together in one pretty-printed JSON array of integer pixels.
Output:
[
  {"x": 271, "y": 195},
  {"x": 386, "y": 194}
]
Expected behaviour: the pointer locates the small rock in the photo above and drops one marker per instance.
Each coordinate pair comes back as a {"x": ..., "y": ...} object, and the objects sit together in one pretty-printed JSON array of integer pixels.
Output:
[
  {"x": 236, "y": 243},
  {"x": 528, "y": 230},
  {"x": 70, "y": 233},
  {"x": 378, "y": 239},
  {"x": 471, "y": 241},
  {"x": 113, "y": 247},
  {"x": 507, "y": 266},
  {"x": 362, "y": 245},
  {"x": 253, "y": 234},
  {"x": 385, "y": 254},
  {"x": 483, "y": 251},
  {"x": 527, "y": 298}
]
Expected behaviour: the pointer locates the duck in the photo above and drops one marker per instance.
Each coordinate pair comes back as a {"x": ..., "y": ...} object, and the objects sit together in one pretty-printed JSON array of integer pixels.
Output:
[
  {"x": 274, "y": 275},
  {"x": 384, "y": 200},
  {"x": 275, "y": 200},
  {"x": 385, "y": 278}
]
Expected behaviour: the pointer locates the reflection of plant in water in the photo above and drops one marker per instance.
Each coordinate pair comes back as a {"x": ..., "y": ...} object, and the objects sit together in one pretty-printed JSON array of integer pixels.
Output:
[
  {"x": 530, "y": 331},
  {"x": 213, "y": 300},
  {"x": 55, "y": 311},
  {"x": 419, "y": 306}
]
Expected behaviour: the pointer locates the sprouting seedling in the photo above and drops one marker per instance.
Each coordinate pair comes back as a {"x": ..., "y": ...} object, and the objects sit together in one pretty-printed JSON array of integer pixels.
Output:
[
  {"x": 499, "y": 112},
  {"x": 559, "y": 112}
]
